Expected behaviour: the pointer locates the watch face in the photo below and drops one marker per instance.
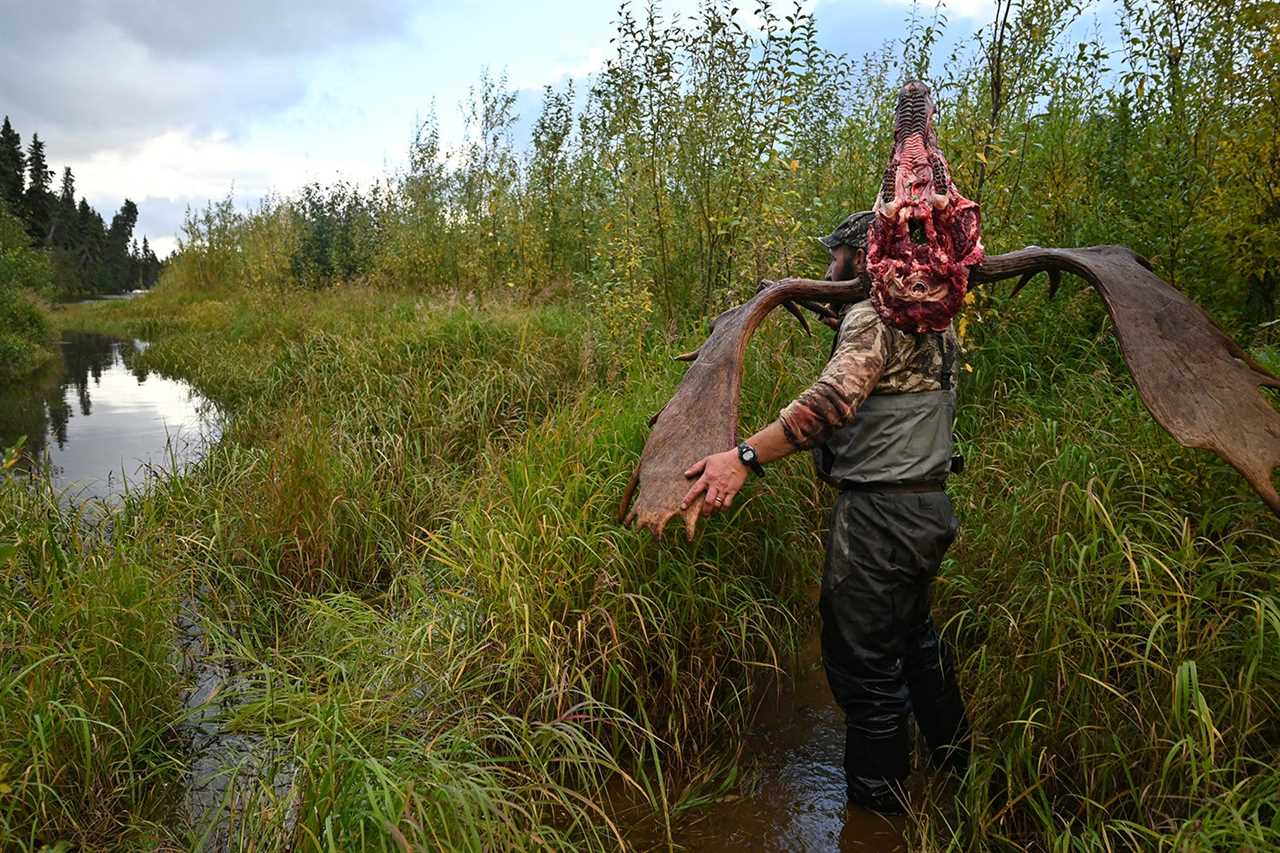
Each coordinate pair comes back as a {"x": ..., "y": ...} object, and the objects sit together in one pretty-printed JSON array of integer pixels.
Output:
[{"x": 748, "y": 455}]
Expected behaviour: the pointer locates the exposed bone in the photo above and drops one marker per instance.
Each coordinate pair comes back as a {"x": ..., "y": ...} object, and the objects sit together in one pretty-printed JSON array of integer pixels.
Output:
[{"x": 924, "y": 194}]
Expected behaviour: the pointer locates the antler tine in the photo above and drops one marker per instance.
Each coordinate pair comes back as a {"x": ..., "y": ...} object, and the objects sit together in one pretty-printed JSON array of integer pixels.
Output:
[
  {"x": 766, "y": 283},
  {"x": 817, "y": 307},
  {"x": 1022, "y": 282},
  {"x": 1055, "y": 281},
  {"x": 795, "y": 312},
  {"x": 1175, "y": 353},
  {"x": 1044, "y": 265}
]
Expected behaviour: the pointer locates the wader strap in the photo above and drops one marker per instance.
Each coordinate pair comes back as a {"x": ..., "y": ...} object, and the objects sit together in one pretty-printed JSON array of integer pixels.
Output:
[
  {"x": 945, "y": 380},
  {"x": 825, "y": 457}
]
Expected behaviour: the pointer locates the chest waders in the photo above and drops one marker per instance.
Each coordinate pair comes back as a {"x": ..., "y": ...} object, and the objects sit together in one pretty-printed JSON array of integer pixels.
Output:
[{"x": 890, "y": 528}]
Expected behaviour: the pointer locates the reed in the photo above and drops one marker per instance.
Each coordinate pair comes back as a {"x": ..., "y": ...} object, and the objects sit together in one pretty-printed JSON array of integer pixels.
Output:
[{"x": 404, "y": 543}]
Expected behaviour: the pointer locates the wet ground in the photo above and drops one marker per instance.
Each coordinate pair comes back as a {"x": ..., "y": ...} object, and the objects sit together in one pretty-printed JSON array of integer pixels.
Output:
[
  {"x": 98, "y": 421},
  {"x": 228, "y": 771},
  {"x": 796, "y": 801}
]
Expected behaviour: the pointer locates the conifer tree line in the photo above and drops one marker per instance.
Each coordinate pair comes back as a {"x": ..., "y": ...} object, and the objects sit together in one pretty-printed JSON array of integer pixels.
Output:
[{"x": 89, "y": 256}]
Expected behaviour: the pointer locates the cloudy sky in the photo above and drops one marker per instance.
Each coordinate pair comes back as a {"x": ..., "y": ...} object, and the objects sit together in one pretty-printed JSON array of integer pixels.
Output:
[{"x": 174, "y": 103}]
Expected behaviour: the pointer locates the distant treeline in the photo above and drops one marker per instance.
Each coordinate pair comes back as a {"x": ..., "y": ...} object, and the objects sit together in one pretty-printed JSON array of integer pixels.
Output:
[
  {"x": 706, "y": 153},
  {"x": 87, "y": 255}
]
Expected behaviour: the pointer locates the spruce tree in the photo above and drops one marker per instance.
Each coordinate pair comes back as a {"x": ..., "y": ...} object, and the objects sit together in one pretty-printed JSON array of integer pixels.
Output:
[
  {"x": 150, "y": 266},
  {"x": 12, "y": 167},
  {"x": 67, "y": 197},
  {"x": 37, "y": 200},
  {"x": 64, "y": 215},
  {"x": 90, "y": 255},
  {"x": 117, "y": 261},
  {"x": 135, "y": 266}
]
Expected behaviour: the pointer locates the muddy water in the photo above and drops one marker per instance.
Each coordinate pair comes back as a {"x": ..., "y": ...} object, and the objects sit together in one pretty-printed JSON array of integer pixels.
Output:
[{"x": 794, "y": 749}]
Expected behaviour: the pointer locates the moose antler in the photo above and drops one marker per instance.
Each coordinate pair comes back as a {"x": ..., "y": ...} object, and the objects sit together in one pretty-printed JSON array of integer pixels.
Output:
[
  {"x": 924, "y": 250},
  {"x": 1197, "y": 383},
  {"x": 702, "y": 417}
]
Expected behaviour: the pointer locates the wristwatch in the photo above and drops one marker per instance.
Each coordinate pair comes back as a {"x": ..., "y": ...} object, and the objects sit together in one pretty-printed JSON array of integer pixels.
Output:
[{"x": 747, "y": 456}]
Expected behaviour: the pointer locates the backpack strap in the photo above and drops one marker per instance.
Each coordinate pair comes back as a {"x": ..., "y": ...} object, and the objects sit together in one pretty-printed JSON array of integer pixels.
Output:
[{"x": 947, "y": 357}]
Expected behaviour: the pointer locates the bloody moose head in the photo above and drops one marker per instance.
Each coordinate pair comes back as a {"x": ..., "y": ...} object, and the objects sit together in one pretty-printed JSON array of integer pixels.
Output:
[{"x": 925, "y": 235}]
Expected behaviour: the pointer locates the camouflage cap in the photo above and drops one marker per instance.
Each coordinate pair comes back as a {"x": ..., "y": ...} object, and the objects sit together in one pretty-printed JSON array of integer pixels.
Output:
[{"x": 852, "y": 232}]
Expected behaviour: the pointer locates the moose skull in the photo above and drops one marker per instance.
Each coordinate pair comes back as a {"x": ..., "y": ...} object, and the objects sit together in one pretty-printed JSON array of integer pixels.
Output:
[{"x": 925, "y": 235}]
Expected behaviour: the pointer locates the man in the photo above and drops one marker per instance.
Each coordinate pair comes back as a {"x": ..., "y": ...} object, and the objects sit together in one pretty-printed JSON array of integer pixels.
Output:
[{"x": 890, "y": 528}]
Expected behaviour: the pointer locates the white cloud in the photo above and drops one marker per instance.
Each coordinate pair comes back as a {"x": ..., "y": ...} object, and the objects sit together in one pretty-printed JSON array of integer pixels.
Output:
[
  {"x": 173, "y": 171},
  {"x": 181, "y": 163},
  {"x": 165, "y": 245}
]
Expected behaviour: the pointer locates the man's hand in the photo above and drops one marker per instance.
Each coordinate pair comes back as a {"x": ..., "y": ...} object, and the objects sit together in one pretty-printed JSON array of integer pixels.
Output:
[{"x": 721, "y": 476}]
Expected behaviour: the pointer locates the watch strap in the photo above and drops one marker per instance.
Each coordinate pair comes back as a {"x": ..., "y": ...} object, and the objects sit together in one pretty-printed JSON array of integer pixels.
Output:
[{"x": 747, "y": 456}]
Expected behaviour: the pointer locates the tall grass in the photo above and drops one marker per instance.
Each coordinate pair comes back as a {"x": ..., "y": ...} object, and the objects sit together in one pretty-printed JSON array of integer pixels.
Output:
[
  {"x": 406, "y": 549},
  {"x": 403, "y": 544},
  {"x": 87, "y": 696},
  {"x": 1117, "y": 605}
]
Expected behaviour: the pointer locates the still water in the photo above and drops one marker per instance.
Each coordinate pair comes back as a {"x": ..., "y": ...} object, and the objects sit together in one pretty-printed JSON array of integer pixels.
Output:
[{"x": 98, "y": 419}]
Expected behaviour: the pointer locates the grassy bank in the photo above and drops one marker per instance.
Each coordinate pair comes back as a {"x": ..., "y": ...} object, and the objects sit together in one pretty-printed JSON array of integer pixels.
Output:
[
  {"x": 1116, "y": 601},
  {"x": 407, "y": 538},
  {"x": 406, "y": 543},
  {"x": 25, "y": 343}
]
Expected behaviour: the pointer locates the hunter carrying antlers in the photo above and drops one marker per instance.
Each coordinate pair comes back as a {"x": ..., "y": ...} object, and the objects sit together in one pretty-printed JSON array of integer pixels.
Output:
[{"x": 879, "y": 420}]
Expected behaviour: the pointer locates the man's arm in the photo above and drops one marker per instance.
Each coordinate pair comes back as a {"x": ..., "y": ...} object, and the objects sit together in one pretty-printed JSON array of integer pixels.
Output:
[{"x": 830, "y": 403}]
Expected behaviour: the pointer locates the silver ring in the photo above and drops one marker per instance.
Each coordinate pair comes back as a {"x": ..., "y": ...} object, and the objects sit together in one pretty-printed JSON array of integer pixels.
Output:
[{"x": 720, "y": 499}]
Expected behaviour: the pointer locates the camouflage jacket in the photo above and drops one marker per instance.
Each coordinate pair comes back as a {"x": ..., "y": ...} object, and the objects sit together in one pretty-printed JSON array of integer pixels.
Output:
[{"x": 870, "y": 357}]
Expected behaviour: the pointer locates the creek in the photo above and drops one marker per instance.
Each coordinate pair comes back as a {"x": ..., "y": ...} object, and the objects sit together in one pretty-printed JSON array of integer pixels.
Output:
[
  {"x": 97, "y": 421},
  {"x": 793, "y": 796}
]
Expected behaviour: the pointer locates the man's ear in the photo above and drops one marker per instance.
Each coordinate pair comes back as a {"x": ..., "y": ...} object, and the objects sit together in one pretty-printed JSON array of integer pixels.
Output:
[{"x": 859, "y": 261}]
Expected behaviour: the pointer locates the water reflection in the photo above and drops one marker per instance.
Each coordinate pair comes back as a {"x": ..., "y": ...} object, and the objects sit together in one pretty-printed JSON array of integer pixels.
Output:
[{"x": 100, "y": 419}]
